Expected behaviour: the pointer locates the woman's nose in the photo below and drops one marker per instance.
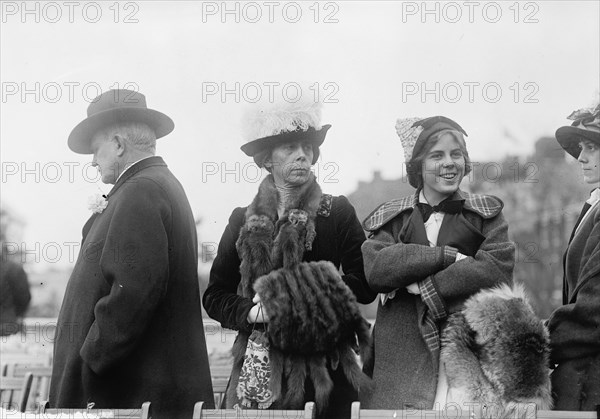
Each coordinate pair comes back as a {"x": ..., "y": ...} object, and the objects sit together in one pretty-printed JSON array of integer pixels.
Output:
[
  {"x": 447, "y": 161},
  {"x": 582, "y": 156},
  {"x": 301, "y": 154}
]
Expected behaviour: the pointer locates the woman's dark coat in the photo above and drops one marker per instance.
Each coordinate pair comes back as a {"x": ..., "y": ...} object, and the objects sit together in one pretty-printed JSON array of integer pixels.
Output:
[
  {"x": 130, "y": 328},
  {"x": 575, "y": 326}
]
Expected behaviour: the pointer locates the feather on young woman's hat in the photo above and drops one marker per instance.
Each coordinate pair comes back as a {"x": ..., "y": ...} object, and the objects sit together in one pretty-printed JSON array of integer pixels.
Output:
[{"x": 265, "y": 127}]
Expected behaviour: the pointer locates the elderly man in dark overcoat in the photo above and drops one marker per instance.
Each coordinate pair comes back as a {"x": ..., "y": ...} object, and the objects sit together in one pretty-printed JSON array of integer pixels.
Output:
[{"x": 130, "y": 327}]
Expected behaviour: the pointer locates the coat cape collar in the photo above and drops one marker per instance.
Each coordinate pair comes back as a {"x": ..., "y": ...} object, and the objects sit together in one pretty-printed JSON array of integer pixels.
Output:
[{"x": 486, "y": 206}]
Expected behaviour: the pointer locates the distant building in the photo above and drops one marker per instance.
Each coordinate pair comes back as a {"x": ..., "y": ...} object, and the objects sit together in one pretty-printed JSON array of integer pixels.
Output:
[{"x": 368, "y": 195}]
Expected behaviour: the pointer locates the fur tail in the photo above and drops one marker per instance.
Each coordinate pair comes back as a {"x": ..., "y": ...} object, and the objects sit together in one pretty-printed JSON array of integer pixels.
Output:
[{"x": 358, "y": 379}]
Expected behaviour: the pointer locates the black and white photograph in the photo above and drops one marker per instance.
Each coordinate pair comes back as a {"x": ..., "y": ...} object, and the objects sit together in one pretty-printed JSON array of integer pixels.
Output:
[{"x": 300, "y": 209}]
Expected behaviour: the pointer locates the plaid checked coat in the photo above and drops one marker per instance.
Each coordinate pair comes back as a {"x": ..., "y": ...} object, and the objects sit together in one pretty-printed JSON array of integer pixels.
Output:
[{"x": 407, "y": 331}]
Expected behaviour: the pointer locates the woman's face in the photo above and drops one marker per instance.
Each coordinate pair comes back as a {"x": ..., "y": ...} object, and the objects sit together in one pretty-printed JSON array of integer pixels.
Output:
[
  {"x": 290, "y": 163},
  {"x": 443, "y": 169},
  {"x": 589, "y": 158}
]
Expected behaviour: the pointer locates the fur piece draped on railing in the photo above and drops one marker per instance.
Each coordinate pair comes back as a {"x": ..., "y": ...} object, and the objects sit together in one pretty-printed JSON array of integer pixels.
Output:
[{"x": 496, "y": 353}]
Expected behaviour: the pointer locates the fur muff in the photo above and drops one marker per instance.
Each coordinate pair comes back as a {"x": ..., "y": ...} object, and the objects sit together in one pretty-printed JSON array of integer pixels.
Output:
[
  {"x": 314, "y": 320},
  {"x": 495, "y": 352}
]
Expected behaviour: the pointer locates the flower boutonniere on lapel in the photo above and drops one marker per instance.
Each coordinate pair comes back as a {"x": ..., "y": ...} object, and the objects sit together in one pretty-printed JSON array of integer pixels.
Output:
[{"x": 97, "y": 203}]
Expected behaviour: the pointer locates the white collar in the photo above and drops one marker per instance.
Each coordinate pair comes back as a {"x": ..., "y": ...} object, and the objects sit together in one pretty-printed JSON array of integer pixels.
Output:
[
  {"x": 594, "y": 197},
  {"x": 131, "y": 165}
]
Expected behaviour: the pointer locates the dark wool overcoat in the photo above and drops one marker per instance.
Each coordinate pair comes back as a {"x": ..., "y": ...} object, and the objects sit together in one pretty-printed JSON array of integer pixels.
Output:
[
  {"x": 575, "y": 326},
  {"x": 130, "y": 327},
  {"x": 338, "y": 239},
  {"x": 404, "y": 367}
]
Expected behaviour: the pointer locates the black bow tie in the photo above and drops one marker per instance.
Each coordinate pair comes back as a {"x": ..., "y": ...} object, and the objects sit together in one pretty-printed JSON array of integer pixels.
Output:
[{"x": 448, "y": 206}]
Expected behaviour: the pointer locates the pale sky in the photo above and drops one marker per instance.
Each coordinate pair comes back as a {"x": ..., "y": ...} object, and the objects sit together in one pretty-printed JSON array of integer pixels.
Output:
[{"x": 508, "y": 72}]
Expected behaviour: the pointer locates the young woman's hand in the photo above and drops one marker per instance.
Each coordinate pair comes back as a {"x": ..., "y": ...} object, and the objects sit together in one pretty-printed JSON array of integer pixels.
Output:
[{"x": 414, "y": 289}]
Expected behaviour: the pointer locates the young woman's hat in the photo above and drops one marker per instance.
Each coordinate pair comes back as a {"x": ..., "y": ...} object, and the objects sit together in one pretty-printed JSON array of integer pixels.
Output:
[
  {"x": 414, "y": 132},
  {"x": 585, "y": 126}
]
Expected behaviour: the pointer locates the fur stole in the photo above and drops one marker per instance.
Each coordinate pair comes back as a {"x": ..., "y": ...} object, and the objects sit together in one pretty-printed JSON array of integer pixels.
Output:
[
  {"x": 315, "y": 322},
  {"x": 266, "y": 243},
  {"x": 496, "y": 354}
]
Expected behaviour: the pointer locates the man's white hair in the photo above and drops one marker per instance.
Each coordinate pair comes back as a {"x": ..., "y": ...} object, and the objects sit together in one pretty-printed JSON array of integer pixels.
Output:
[{"x": 137, "y": 134}]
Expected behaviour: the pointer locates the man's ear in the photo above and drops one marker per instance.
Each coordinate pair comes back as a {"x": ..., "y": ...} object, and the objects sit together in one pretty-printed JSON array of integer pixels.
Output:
[{"x": 119, "y": 144}]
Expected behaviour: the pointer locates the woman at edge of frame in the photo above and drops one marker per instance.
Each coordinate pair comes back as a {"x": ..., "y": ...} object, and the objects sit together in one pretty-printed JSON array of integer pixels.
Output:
[
  {"x": 575, "y": 326},
  {"x": 426, "y": 254}
]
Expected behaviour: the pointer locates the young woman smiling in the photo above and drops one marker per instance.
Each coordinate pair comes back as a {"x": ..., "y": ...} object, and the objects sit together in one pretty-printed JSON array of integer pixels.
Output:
[{"x": 426, "y": 254}]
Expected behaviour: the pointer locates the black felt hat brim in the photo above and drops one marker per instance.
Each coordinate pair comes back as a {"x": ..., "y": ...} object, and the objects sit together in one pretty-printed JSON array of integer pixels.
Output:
[
  {"x": 569, "y": 137},
  {"x": 80, "y": 138},
  {"x": 314, "y": 136}
]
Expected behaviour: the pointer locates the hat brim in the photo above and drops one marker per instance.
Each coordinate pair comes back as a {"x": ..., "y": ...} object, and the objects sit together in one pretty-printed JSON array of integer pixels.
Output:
[
  {"x": 316, "y": 137},
  {"x": 80, "y": 139},
  {"x": 569, "y": 137}
]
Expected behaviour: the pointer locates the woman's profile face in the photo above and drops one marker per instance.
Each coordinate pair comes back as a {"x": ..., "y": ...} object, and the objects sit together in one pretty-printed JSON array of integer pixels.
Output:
[
  {"x": 589, "y": 158},
  {"x": 443, "y": 169}
]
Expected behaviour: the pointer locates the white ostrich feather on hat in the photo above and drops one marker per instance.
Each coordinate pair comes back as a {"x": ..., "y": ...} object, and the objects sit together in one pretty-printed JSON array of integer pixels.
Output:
[{"x": 279, "y": 118}]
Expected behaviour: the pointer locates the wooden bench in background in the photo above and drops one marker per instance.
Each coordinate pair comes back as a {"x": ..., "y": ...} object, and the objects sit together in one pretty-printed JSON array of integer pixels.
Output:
[
  {"x": 201, "y": 413},
  {"x": 220, "y": 377},
  {"x": 40, "y": 385},
  {"x": 143, "y": 413},
  {"x": 14, "y": 392},
  {"x": 530, "y": 413}
]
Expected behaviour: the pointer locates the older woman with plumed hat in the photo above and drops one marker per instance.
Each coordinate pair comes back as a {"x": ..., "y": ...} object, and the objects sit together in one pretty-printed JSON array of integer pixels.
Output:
[
  {"x": 426, "y": 254},
  {"x": 575, "y": 326},
  {"x": 276, "y": 275}
]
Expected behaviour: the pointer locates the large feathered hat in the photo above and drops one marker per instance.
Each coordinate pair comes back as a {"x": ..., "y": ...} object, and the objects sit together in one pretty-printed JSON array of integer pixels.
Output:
[
  {"x": 266, "y": 126},
  {"x": 586, "y": 125}
]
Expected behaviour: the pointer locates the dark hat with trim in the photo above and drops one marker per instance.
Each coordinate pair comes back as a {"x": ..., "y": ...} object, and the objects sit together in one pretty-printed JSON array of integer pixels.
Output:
[
  {"x": 280, "y": 124},
  {"x": 586, "y": 126},
  {"x": 414, "y": 132},
  {"x": 112, "y": 107}
]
